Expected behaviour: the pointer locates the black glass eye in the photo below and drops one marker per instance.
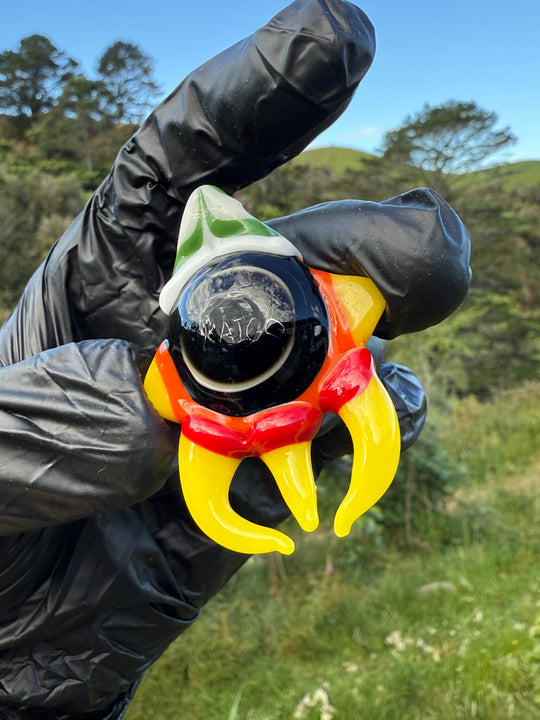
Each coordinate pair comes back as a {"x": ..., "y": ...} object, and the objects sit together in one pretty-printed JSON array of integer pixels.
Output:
[{"x": 250, "y": 332}]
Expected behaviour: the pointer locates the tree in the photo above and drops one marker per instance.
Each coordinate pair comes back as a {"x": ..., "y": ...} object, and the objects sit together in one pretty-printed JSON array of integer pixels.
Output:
[
  {"x": 77, "y": 117},
  {"x": 85, "y": 101},
  {"x": 128, "y": 75},
  {"x": 32, "y": 208},
  {"x": 447, "y": 140},
  {"x": 32, "y": 78},
  {"x": 289, "y": 188},
  {"x": 504, "y": 223}
]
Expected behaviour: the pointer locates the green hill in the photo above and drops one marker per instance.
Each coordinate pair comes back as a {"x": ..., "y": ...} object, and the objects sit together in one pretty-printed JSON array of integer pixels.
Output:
[
  {"x": 526, "y": 172},
  {"x": 337, "y": 158}
]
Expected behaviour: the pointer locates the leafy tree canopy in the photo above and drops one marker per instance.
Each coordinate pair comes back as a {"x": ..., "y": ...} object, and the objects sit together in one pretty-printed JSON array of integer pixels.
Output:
[
  {"x": 452, "y": 138},
  {"x": 32, "y": 78},
  {"x": 79, "y": 115},
  {"x": 84, "y": 98},
  {"x": 127, "y": 73}
]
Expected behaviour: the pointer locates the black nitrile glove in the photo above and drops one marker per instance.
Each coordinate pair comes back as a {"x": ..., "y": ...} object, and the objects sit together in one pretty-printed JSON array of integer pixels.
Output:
[
  {"x": 414, "y": 247},
  {"x": 102, "y": 566}
]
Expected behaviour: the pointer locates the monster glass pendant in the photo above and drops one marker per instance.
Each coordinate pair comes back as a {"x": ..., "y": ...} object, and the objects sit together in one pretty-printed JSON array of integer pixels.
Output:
[{"x": 259, "y": 348}]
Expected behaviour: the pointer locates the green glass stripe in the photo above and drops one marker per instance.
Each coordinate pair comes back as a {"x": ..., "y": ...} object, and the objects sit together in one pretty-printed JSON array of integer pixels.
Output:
[
  {"x": 245, "y": 226},
  {"x": 219, "y": 228},
  {"x": 190, "y": 246}
]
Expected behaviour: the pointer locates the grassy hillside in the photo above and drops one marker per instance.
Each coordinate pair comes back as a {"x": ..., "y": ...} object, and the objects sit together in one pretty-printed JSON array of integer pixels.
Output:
[
  {"x": 447, "y": 633},
  {"x": 525, "y": 173},
  {"x": 360, "y": 629},
  {"x": 340, "y": 159},
  {"x": 336, "y": 158}
]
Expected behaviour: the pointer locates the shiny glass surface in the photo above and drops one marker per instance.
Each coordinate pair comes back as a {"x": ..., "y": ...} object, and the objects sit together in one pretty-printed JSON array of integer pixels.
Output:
[{"x": 251, "y": 331}]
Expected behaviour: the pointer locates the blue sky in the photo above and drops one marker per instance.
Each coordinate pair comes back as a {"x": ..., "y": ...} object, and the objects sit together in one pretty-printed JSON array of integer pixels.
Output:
[{"x": 427, "y": 52}]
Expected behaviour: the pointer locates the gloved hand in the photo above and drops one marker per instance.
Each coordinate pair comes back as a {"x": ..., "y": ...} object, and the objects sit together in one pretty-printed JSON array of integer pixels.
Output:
[
  {"x": 230, "y": 122},
  {"x": 103, "y": 566}
]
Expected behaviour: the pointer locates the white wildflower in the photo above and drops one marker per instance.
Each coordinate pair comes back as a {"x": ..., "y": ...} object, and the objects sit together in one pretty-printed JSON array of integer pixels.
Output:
[
  {"x": 318, "y": 700},
  {"x": 428, "y": 649},
  {"x": 397, "y": 641}
]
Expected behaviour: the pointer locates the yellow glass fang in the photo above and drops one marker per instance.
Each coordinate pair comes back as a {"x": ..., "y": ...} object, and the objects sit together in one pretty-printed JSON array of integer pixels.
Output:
[
  {"x": 206, "y": 476},
  {"x": 206, "y": 479},
  {"x": 157, "y": 392},
  {"x": 372, "y": 421},
  {"x": 362, "y": 304},
  {"x": 291, "y": 468}
]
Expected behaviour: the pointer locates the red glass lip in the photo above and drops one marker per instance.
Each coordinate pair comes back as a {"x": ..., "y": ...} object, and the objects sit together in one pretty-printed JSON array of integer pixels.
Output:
[{"x": 344, "y": 374}]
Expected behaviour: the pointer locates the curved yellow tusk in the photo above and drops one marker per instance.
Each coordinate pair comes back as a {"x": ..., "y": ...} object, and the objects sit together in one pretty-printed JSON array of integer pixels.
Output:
[
  {"x": 292, "y": 470},
  {"x": 372, "y": 421},
  {"x": 206, "y": 478}
]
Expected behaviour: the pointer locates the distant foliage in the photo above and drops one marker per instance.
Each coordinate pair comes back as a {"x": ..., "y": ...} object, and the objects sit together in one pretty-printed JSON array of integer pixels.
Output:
[
  {"x": 289, "y": 188},
  {"x": 127, "y": 73},
  {"x": 34, "y": 211},
  {"x": 55, "y": 117},
  {"x": 52, "y": 162},
  {"x": 447, "y": 140},
  {"x": 32, "y": 78},
  {"x": 39, "y": 79}
]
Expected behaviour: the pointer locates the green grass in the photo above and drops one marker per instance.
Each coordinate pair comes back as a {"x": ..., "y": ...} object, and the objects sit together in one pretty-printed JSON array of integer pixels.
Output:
[
  {"x": 433, "y": 634},
  {"x": 522, "y": 173},
  {"x": 512, "y": 175},
  {"x": 495, "y": 439},
  {"x": 355, "y": 630},
  {"x": 337, "y": 158},
  {"x": 340, "y": 159}
]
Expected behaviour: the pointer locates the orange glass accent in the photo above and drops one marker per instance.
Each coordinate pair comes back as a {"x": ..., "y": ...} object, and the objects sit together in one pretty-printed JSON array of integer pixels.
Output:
[
  {"x": 158, "y": 392},
  {"x": 212, "y": 444},
  {"x": 286, "y": 424}
]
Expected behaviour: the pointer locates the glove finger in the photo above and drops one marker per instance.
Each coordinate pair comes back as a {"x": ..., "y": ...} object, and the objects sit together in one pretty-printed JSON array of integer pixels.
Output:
[
  {"x": 231, "y": 121},
  {"x": 414, "y": 247},
  {"x": 252, "y": 107},
  {"x": 409, "y": 399},
  {"x": 78, "y": 436},
  {"x": 255, "y": 494}
]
